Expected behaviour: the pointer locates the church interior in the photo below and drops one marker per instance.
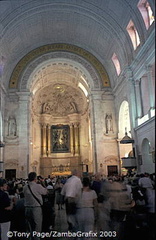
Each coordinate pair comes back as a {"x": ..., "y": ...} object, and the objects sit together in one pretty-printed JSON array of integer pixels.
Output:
[{"x": 77, "y": 87}]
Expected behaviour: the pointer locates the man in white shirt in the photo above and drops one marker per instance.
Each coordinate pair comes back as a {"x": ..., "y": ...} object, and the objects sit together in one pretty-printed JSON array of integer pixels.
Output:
[
  {"x": 72, "y": 192},
  {"x": 146, "y": 184},
  {"x": 33, "y": 210}
]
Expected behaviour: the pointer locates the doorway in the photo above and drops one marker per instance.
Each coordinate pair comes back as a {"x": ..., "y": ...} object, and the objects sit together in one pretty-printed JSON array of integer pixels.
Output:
[
  {"x": 112, "y": 170},
  {"x": 10, "y": 173}
]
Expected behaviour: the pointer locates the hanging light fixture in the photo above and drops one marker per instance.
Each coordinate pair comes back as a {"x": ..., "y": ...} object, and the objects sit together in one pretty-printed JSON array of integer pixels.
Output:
[{"x": 126, "y": 139}]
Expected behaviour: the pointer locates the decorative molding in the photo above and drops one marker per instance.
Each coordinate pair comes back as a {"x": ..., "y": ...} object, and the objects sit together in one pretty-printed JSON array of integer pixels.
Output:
[
  {"x": 59, "y": 48},
  {"x": 110, "y": 159},
  {"x": 59, "y": 100}
]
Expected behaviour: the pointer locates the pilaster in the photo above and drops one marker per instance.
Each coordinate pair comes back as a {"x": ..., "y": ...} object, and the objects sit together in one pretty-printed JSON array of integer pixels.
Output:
[{"x": 138, "y": 98}]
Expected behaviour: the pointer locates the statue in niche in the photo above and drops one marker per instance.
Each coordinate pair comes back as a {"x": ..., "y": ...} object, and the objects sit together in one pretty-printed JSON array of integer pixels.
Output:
[
  {"x": 109, "y": 123},
  {"x": 12, "y": 127}
]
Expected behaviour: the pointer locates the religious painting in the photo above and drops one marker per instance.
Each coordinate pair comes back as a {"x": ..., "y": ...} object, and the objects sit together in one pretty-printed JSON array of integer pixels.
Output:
[{"x": 60, "y": 138}]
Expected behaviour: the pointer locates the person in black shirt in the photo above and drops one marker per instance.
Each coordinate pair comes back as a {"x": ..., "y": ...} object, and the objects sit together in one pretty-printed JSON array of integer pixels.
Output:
[{"x": 5, "y": 210}]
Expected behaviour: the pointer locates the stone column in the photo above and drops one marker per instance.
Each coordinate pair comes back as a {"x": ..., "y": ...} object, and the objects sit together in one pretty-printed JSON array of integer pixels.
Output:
[
  {"x": 49, "y": 140},
  {"x": 132, "y": 104},
  {"x": 131, "y": 98},
  {"x": 24, "y": 151},
  {"x": 94, "y": 99},
  {"x": 138, "y": 98},
  {"x": 72, "y": 149},
  {"x": 76, "y": 134},
  {"x": 150, "y": 86},
  {"x": 2, "y": 101},
  {"x": 44, "y": 145}
]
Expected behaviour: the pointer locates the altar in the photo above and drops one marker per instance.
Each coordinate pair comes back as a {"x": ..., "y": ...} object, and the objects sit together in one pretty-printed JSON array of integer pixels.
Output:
[{"x": 59, "y": 166}]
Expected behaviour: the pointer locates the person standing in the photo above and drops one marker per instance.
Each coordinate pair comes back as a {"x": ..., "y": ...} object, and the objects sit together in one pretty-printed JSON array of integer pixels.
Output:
[
  {"x": 71, "y": 191},
  {"x": 5, "y": 210},
  {"x": 59, "y": 198},
  {"x": 33, "y": 201},
  {"x": 96, "y": 185},
  {"x": 87, "y": 208},
  {"x": 146, "y": 185}
]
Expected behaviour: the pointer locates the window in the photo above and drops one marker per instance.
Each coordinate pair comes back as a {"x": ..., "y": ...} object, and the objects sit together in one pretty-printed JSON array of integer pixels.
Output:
[
  {"x": 146, "y": 13},
  {"x": 116, "y": 64},
  {"x": 133, "y": 34}
]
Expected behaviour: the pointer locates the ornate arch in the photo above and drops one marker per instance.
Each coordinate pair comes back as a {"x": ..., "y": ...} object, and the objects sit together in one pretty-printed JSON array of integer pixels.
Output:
[
  {"x": 111, "y": 159},
  {"x": 39, "y": 55}
]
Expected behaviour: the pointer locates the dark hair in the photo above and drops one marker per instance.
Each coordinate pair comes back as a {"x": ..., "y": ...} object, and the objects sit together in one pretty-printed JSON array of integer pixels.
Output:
[
  {"x": 32, "y": 176},
  {"x": 39, "y": 177},
  {"x": 86, "y": 182},
  {"x": 2, "y": 182}
]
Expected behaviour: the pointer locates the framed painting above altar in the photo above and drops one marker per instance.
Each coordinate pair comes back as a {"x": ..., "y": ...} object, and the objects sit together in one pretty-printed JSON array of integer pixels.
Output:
[{"x": 60, "y": 141}]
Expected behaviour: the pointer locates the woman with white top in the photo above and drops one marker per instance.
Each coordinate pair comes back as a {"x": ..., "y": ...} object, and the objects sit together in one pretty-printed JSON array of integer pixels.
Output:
[{"x": 86, "y": 208}]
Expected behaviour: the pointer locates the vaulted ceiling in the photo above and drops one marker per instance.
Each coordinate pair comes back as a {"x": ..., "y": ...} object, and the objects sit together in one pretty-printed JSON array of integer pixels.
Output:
[{"x": 97, "y": 26}]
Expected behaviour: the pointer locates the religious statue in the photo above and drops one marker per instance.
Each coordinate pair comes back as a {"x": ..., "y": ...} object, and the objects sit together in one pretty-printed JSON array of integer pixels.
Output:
[
  {"x": 109, "y": 122},
  {"x": 46, "y": 108},
  {"x": 72, "y": 107},
  {"x": 12, "y": 127}
]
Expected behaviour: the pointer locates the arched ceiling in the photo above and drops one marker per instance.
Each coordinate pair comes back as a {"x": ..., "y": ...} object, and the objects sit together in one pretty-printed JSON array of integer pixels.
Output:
[{"x": 97, "y": 26}]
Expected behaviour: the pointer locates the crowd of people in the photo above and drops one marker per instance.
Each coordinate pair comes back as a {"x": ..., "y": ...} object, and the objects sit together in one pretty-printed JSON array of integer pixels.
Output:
[{"x": 116, "y": 207}]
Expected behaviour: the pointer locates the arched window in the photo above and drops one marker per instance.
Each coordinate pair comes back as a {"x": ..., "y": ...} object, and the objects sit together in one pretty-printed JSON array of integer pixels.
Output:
[
  {"x": 124, "y": 119},
  {"x": 131, "y": 29},
  {"x": 116, "y": 64},
  {"x": 146, "y": 13},
  {"x": 124, "y": 126}
]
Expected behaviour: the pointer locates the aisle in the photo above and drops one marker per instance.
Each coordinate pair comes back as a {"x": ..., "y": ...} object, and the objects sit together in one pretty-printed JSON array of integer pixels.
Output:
[
  {"x": 61, "y": 226},
  {"x": 61, "y": 220}
]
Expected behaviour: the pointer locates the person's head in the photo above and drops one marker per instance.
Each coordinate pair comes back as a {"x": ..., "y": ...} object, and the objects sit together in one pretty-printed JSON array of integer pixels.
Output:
[
  {"x": 3, "y": 184},
  {"x": 97, "y": 176},
  {"x": 76, "y": 172},
  {"x": 86, "y": 182},
  {"x": 146, "y": 174},
  {"x": 142, "y": 175},
  {"x": 58, "y": 180},
  {"x": 32, "y": 176}
]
